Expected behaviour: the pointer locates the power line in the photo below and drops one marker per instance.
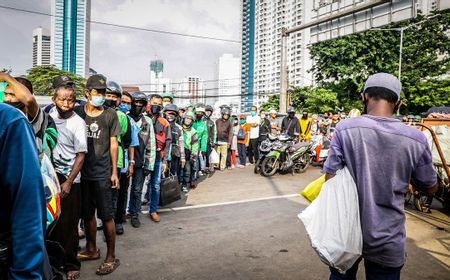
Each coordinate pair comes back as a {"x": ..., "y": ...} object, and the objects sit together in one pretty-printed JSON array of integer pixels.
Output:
[
  {"x": 178, "y": 83},
  {"x": 217, "y": 95},
  {"x": 128, "y": 26}
]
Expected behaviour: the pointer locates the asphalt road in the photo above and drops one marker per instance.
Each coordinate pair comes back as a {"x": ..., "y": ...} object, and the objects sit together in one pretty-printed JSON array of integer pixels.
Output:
[{"x": 237, "y": 225}]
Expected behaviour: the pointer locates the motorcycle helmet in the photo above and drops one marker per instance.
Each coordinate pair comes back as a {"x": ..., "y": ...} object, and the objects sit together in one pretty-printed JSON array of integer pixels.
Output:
[
  {"x": 200, "y": 107},
  {"x": 52, "y": 191},
  {"x": 290, "y": 110},
  {"x": 272, "y": 137},
  {"x": 171, "y": 107},
  {"x": 225, "y": 111},
  {"x": 113, "y": 87},
  {"x": 139, "y": 96},
  {"x": 354, "y": 113},
  {"x": 209, "y": 108},
  {"x": 167, "y": 95},
  {"x": 283, "y": 137}
]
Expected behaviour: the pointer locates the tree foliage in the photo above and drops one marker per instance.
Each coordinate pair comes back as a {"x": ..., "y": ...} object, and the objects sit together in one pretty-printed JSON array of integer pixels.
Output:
[
  {"x": 317, "y": 100},
  {"x": 343, "y": 64},
  {"x": 272, "y": 103},
  {"x": 41, "y": 77}
]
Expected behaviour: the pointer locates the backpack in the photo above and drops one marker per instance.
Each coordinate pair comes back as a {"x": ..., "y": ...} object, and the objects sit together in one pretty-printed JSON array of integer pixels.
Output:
[{"x": 241, "y": 134}]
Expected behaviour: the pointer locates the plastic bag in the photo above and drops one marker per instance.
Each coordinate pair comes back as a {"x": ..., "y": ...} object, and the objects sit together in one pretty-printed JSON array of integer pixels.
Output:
[
  {"x": 214, "y": 157},
  {"x": 313, "y": 189},
  {"x": 333, "y": 224}
]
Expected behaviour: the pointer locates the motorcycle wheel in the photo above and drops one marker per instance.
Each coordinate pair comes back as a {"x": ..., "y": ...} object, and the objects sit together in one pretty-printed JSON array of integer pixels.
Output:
[
  {"x": 306, "y": 159},
  {"x": 266, "y": 166},
  {"x": 257, "y": 168}
]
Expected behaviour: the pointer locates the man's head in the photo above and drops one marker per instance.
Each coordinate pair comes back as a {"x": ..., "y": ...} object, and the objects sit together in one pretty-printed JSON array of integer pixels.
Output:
[
  {"x": 314, "y": 117},
  {"x": 199, "y": 111},
  {"x": 304, "y": 114},
  {"x": 171, "y": 112},
  {"x": 155, "y": 104},
  {"x": 11, "y": 99},
  {"x": 64, "y": 98},
  {"x": 254, "y": 110},
  {"x": 125, "y": 102},
  {"x": 208, "y": 111},
  {"x": 190, "y": 108},
  {"x": 113, "y": 94},
  {"x": 242, "y": 118},
  {"x": 262, "y": 114},
  {"x": 96, "y": 90},
  {"x": 382, "y": 94},
  {"x": 291, "y": 112},
  {"x": 167, "y": 98},
  {"x": 273, "y": 113},
  {"x": 225, "y": 111},
  {"x": 188, "y": 119},
  {"x": 138, "y": 104}
]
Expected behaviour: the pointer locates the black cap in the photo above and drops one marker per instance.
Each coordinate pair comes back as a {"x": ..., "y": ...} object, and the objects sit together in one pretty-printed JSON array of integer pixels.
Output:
[
  {"x": 61, "y": 80},
  {"x": 96, "y": 81}
]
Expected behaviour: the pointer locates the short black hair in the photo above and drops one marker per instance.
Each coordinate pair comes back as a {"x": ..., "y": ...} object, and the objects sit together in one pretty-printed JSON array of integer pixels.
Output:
[
  {"x": 379, "y": 93},
  {"x": 127, "y": 94},
  {"x": 155, "y": 96},
  {"x": 25, "y": 82},
  {"x": 254, "y": 107}
]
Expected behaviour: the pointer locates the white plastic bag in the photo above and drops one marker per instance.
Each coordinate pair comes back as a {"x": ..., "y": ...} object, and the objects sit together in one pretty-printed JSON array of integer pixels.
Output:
[
  {"x": 214, "y": 157},
  {"x": 333, "y": 224}
]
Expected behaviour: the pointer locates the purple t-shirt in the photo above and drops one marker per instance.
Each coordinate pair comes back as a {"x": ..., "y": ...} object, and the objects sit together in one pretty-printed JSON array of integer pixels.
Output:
[{"x": 383, "y": 155}]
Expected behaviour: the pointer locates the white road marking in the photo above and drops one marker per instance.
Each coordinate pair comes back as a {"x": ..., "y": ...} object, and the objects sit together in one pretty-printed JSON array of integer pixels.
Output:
[{"x": 162, "y": 210}]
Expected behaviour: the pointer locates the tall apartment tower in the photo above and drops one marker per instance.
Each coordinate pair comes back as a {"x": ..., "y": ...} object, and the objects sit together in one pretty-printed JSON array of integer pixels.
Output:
[
  {"x": 70, "y": 31},
  {"x": 248, "y": 54},
  {"x": 41, "y": 47}
]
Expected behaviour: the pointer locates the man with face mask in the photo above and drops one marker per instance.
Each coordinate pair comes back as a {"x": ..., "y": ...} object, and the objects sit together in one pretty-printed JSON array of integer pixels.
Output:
[
  {"x": 124, "y": 139},
  {"x": 99, "y": 175},
  {"x": 253, "y": 121},
  {"x": 167, "y": 98},
  {"x": 177, "y": 156},
  {"x": 68, "y": 158},
  {"x": 190, "y": 149},
  {"x": 290, "y": 124},
  {"x": 305, "y": 127},
  {"x": 383, "y": 156},
  {"x": 212, "y": 135},
  {"x": 144, "y": 154},
  {"x": 163, "y": 137},
  {"x": 202, "y": 133},
  {"x": 224, "y": 136}
]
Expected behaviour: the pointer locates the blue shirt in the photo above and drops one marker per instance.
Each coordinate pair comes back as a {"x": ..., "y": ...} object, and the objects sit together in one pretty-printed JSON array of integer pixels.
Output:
[
  {"x": 22, "y": 203},
  {"x": 383, "y": 155},
  {"x": 134, "y": 142}
]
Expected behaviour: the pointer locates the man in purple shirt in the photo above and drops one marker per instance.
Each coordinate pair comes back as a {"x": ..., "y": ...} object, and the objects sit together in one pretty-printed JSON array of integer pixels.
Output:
[{"x": 383, "y": 156}]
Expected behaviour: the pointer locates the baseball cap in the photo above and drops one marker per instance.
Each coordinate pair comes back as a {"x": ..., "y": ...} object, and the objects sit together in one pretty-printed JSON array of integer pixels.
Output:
[
  {"x": 62, "y": 80},
  {"x": 273, "y": 111},
  {"x": 384, "y": 80},
  {"x": 96, "y": 81},
  {"x": 242, "y": 117}
]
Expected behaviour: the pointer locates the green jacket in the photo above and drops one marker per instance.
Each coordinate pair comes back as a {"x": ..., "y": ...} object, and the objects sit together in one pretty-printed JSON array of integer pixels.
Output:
[
  {"x": 202, "y": 131},
  {"x": 123, "y": 121},
  {"x": 190, "y": 140}
]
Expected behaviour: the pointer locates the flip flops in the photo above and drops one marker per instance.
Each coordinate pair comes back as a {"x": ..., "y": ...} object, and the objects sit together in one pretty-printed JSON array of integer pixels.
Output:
[
  {"x": 88, "y": 256},
  {"x": 72, "y": 275},
  {"x": 107, "y": 267}
]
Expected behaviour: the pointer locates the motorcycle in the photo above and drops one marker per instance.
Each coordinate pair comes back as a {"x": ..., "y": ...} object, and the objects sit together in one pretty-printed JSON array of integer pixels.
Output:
[
  {"x": 286, "y": 156},
  {"x": 264, "y": 148}
]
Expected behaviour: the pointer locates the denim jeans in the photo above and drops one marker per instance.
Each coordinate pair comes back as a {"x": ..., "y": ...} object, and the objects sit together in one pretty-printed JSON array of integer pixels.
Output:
[
  {"x": 242, "y": 151},
  {"x": 374, "y": 271},
  {"x": 137, "y": 183},
  {"x": 153, "y": 186}
]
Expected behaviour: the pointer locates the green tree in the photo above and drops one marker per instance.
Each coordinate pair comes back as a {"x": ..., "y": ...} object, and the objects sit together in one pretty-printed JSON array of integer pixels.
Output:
[
  {"x": 272, "y": 103},
  {"x": 342, "y": 65},
  {"x": 41, "y": 77}
]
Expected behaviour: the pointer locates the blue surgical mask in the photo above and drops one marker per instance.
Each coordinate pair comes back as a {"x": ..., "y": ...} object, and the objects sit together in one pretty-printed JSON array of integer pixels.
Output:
[
  {"x": 125, "y": 108},
  {"x": 253, "y": 113},
  {"x": 98, "y": 101}
]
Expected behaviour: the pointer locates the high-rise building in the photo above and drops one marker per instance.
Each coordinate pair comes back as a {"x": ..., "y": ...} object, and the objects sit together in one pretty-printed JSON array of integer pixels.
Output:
[
  {"x": 248, "y": 42},
  {"x": 70, "y": 31},
  {"x": 265, "y": 50},
  {"x": 229, "y": 81},
  {"x": 191, "y": 90},
  {"x": 158, "y": 84},
  {"x": 41, "y": 47}
]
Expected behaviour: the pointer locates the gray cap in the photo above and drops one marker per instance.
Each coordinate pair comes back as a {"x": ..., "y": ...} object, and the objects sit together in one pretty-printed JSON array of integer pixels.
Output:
[{"x": 384, "y": 80}]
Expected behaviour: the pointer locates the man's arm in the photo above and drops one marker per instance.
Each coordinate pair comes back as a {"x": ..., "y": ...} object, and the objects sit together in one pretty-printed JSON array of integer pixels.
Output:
[
  {"x": 335, "y": 160},
  {"x": 22, "y": 178},
  {"x": 204, "y": 140},
  {"x": 23, "y": 94},
  {"x": 424, "y": 175},
  {"x": 76, "y": 168},
  {"x": 230, "y": 134},
  {"x": 130, "y": 158},
  {"x": 114, "y": 146}
]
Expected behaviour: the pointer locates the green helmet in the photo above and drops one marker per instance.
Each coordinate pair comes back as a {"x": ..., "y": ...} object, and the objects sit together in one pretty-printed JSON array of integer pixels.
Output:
[
  {"x": 167, "y": 95},
  {"x": 189, "y": 115}
]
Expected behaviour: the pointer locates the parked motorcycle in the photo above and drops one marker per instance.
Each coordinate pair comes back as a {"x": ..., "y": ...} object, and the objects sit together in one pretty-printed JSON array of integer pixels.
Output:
[
  {"x": 264, "y": 148},
  {"x": 286, "y": 156}
]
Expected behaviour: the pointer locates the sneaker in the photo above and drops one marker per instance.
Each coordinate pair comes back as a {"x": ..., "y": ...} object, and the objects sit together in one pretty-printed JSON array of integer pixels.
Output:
[
  {"x": 241, "y": 166},
  {"x": 155, "y": 217},
  {"x": 200, "y": 173},
  {"x": 119, "y": 229},
  {"x": 248, "y": 163},
  {"x": 135, "y": 222},
  {"x": 184, "y": 189}
]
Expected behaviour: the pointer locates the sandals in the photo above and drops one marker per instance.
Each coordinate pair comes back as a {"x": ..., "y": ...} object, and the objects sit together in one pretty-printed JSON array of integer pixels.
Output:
[
  {"x": 107, "y": 267},
  {"x": 88, "y": 256},
  {"x": 72, "y": 275}
]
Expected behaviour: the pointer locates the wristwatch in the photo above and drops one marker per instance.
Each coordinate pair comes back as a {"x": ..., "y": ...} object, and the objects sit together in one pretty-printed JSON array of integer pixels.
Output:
[{"x": 132, "y": 162}]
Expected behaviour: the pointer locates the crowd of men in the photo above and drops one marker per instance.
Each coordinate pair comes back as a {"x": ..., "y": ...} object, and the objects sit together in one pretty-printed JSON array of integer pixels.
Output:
[{"x": 117, "y": 141}]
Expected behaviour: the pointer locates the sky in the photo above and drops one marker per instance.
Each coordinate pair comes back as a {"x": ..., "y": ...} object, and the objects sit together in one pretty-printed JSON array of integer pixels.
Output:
[{"x": 124, "y": 55}]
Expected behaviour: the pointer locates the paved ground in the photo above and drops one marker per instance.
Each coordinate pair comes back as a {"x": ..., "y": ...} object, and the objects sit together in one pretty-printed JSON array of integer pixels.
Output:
[{"x": 248, "y": 238}]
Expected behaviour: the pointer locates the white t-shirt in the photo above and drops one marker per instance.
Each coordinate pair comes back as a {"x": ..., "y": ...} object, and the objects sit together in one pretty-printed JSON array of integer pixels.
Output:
[
  {"x": 71, "y": 140},
  {"x": 254, "y": 131}
]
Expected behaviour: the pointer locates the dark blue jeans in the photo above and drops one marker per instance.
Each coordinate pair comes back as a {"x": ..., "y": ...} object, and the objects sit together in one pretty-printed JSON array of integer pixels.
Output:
[
  {"x": 374, "y": 271},
  {"x": 137, "y": 183},
  {"x": 153, "y": 186}
]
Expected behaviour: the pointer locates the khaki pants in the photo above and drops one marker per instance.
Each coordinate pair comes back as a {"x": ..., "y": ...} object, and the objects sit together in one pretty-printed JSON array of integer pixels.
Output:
[{"x": 222, "y": 151}]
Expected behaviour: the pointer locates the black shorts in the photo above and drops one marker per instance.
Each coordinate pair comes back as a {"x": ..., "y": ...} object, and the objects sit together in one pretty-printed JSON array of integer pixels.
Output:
[{"x": 96, "y": 195}]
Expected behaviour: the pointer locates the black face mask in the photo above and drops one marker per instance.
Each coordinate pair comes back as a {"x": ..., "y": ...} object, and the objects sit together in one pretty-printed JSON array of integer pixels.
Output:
[
  {"x": 291, "y": 115},
  {"x": 155, "y": 109},
  {"x": 110, "y": 103},
  {"x": 17, "y": 105},
  {"x": 136, "y": 111},
  {"x": 64, "y": 114},
  {"x": 198, "y": 117},
  {"x": 304, "y": 116}
]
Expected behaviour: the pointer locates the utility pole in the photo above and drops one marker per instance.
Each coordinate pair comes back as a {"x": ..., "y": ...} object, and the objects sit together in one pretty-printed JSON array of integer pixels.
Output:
[
  {"x": 283, "y": 71},
  {"x": 400, "y": 55}
]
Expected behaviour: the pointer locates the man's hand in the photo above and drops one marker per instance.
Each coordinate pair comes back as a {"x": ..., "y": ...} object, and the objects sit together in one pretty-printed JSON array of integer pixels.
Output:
[
  {"x": 5, "y": 77},
  {"x": 65, "y": 188},
  {"x": 130, "y": 170},
  {"x": 164, "y": 167},
  {"x": 183, "y": 163},
  {"x": 228, "y": 146},
  {"x": 146, "y": 172},
  {"x": 115, "y": 184}
]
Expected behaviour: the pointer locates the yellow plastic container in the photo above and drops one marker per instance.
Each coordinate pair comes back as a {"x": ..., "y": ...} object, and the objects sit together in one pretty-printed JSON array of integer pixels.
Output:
[{"x": 313, "y": 189}]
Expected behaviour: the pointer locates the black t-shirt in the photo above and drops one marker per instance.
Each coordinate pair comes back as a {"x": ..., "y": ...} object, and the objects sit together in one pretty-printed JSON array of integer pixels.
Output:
[{"x": 97, "y": 163}]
